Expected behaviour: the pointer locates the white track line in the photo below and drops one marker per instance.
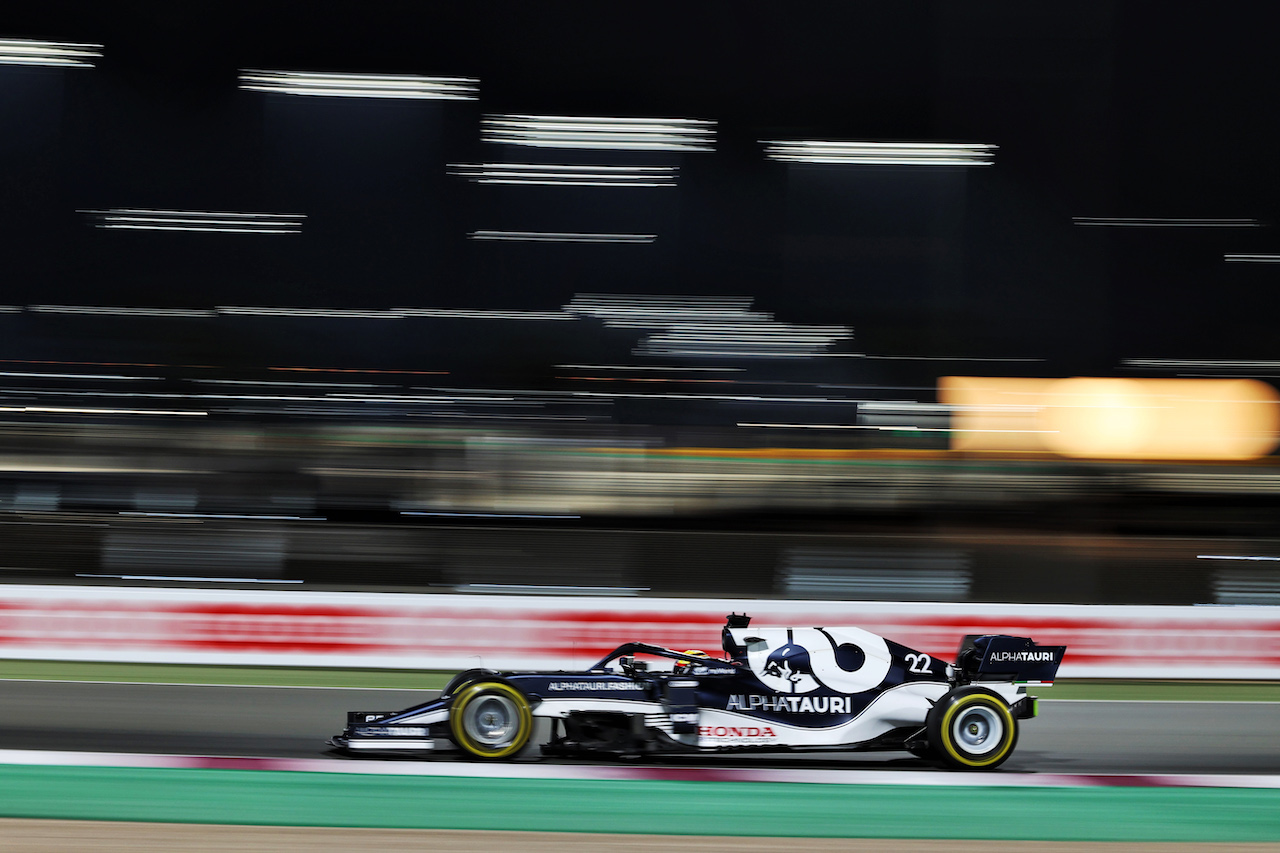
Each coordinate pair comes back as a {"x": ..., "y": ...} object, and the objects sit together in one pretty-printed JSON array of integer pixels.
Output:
[{"x": 46, "y": 758}]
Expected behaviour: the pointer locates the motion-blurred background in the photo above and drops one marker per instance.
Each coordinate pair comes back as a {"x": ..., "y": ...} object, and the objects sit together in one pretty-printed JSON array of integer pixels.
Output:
[{"x": 907, "y": 301}]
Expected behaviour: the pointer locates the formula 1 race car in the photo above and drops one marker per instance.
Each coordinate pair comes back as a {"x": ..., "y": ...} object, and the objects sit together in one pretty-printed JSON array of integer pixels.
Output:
[{"x": 779, "y": 689}]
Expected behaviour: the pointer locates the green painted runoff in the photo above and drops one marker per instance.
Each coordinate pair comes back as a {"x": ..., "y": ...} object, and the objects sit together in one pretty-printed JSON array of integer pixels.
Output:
[{"x": 655, "y": 807}]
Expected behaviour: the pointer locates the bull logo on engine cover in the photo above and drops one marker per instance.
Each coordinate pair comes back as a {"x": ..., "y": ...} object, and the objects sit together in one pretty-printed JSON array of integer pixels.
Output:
[
  {"x": 790, "y": 668},
  {"x": 801, "y": 660}
]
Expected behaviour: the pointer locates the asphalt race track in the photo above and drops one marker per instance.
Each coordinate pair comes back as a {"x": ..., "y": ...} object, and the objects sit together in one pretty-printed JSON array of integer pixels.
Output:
[{"x": 1068, "y": 737}]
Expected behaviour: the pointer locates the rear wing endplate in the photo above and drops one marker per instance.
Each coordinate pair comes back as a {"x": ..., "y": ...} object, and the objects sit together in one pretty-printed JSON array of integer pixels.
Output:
[{"x": 999, "y": 657}]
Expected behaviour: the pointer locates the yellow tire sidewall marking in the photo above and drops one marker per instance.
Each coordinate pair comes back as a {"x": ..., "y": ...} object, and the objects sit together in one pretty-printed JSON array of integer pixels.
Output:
[
  {"x": 963, "y": 703},
  {"x": 464, "y": 699}
]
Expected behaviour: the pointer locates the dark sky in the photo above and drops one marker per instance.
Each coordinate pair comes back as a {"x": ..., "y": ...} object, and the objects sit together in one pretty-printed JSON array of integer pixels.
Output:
[{"x": 1124, "y": 109}]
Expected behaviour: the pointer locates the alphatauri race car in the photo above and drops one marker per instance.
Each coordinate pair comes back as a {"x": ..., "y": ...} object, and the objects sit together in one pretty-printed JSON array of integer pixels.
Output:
[{"x": 777, "y": 689}]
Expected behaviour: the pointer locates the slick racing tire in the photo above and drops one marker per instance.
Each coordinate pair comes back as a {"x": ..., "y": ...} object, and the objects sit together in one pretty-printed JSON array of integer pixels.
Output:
[
  {"x": 972, "y": 729},
  {"x": 490, "y": 720}
]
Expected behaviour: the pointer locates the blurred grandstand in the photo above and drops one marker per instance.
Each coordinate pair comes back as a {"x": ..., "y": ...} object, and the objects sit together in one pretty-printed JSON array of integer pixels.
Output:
[{"x": 620, "y": 511}]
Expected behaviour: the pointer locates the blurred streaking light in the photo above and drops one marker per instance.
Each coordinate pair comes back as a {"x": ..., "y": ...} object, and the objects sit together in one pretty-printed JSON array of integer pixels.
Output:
[
  {"x": 1227, "y": 557},
  {"x": 483, "y": 314},
  {"x": 277, "y": 311},
  {"x": 1237, "y": 585},
  {"x": 643, "y": 134},
  {"x": 881, "y": 428},
  {"x": 648, "y": 310},
  {"x": 1201, "y": 363},
  {"x": 68, "y": 410},
  {"x": 121, "y": 311},
  {"x": 336, "y": 85},
  {"x": 775, "y": 340},
  {"x": 349, "y": 313},
  {"x": 648, "y": 367},
  {"x": 295, "y": 398},
  {"x": 561, "y": 237},
  {"x": 221, "y": 516},
  {"x": 903, "y": 406},
  {"x": 548, "y": 589},
  {"x": 48, "y": 53},
  {"x": 737, "y": 398},
  {"x": 288, "y": 384},
  {"x": 39, "y": 392},
  {"x": 185, "y": 578},
  {"x": 1252, "y": 259},
  {"x": 942, "y": 357},
  {"x": 880, "y": 153},
  {"x": 860, "y": 573},
  {"x": 706, "y": 326},
  {"x": 469, "y": 416},
  {"x": 77, "y": 376},
  {"x": 545, "y": 174},
  {"x": 90, "y": 363},
  {"x": 143, "y": 219},
  {"x": 484, "y": 514},
  {"x": 1136, "y": 222},
  {"x": 447, "y": 398},
  {"x": 358, "y": 370},
  {"x": 803, "y": 426}
]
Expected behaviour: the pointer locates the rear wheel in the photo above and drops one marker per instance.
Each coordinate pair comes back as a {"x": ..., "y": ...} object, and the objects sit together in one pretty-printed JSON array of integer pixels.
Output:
[
  {"x": 490, "y": 720},
  {"x": 972, "y": 729}
]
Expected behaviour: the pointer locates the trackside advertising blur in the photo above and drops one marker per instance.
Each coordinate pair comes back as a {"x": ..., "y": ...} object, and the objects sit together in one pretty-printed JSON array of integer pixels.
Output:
[{"x": 451, "y": 632}]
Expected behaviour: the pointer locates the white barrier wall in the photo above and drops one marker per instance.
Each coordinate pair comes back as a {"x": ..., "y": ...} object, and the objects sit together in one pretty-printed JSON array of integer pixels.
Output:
[{"x": 450, "y": 632}]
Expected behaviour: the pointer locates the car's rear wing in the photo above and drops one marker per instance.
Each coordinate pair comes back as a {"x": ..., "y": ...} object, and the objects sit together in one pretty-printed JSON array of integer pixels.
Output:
[{"x": 999, "y": 657}]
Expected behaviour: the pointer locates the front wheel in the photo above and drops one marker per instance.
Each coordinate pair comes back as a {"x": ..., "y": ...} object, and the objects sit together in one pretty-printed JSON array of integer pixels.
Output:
[
  {"x": 972, "y": 729},
  {"x": 490, "y": 720}
]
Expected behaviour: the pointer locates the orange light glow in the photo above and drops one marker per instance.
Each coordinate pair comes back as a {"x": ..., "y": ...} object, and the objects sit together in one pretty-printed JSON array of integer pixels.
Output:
[{"x": 1103, "y": 418}]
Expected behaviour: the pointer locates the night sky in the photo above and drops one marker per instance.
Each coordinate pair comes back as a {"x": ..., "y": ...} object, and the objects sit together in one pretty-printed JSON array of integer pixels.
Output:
[{"x": 1099, "y": 110}]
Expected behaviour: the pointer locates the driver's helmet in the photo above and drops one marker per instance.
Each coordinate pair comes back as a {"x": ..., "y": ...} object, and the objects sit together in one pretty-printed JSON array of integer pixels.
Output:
[{"x": 683, "y": 666}]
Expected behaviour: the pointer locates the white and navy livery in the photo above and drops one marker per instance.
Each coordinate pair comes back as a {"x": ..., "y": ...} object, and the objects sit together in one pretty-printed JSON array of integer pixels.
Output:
[{"x": 778, "y": 689}]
